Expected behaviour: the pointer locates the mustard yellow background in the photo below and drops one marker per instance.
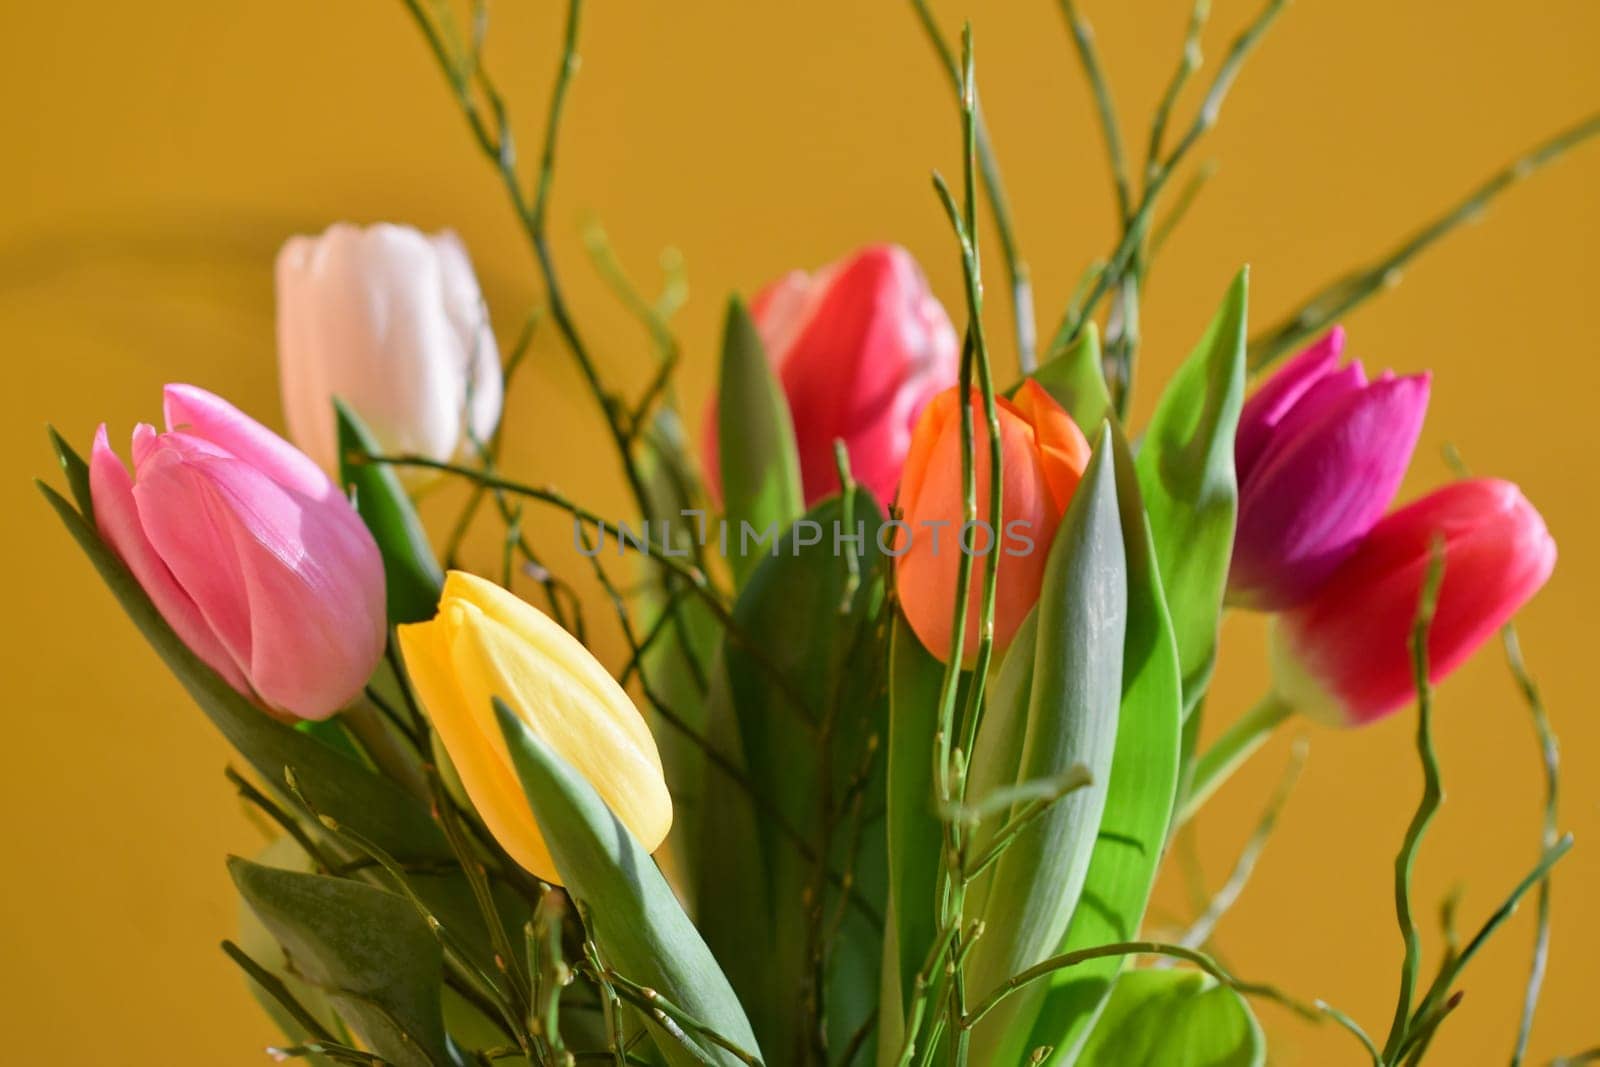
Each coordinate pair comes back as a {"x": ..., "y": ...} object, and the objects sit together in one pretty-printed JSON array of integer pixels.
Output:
[{"x": 153, "y": 156}]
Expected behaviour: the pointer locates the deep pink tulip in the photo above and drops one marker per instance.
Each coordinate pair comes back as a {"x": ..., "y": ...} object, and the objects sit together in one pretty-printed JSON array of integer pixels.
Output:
[
  {"x": 860, "y": 347},
  {"x": 1343, "y": 656},
  {"x": 248, "y": 551},
  {"x": 1320, "y": 454}
]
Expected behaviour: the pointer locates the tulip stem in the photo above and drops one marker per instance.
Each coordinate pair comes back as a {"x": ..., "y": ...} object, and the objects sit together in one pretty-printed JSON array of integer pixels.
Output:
[{"x": 1229, "y": 752}]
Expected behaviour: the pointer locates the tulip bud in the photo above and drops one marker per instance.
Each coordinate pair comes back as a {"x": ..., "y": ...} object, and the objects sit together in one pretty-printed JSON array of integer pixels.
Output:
[
  {"x": 1320, "y": 454},
  {"x": 249, "y": 552},
  {"x": 1043, "y": 455},
  {"x": 1343, "y": 657},
  {"x": 860, "y": 347},
  {"x": 487, "y": 643},
  {"x": 389, "y": 320}
]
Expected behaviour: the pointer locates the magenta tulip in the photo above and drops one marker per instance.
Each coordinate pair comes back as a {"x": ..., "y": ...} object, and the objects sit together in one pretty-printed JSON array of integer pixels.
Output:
[
  {"x": 860, "y": 347},
  {"x": 1343, "y": 656},
  {"x": 1320, "y": 454},
  {"x": 248, "y": 551}
]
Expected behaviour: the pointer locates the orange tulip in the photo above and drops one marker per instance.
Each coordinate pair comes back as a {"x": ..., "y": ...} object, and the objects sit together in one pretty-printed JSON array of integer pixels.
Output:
[{"x": 1043, "y": 455}]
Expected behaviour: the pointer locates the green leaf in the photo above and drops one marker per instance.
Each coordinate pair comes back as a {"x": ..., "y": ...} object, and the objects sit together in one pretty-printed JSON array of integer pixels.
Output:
[
  {"x": 77, "y": 472},
  {"x": 410, "y": 570},
  {"x": 259, "y": 944},
  {"x": 1076, "y": 379},
  {"x": 756, "y": 446},
  {"x": 1072, "y": 719},
  {"x": 632, "y": 915},
  {"x": 332, "y": 782},
  {"x": 1176, "y": 1019},
  {"x": 818, "y": 659},
  {"x": 1139, "y": 795},
  {"x": 915, "y": 832},
  {"x": 366, "y": 948},
  {"x": 1186, "y": 474}
]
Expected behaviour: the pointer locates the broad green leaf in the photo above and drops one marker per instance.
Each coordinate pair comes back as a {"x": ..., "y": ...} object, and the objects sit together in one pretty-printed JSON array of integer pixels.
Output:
[
  {"x": 332, "y": 782},
  {"x": 676, "y": 664},
  {"x": 259, "y": 944},
  {"x": 366, "y": 948},
  {"x": 915, "y": 832},
  {"x": 1076, "y": 379},
  {"x": 1139, "y": 795},
  {"x": 410, "y": 570},
  {"x": 1175, "y": 1018},
  {"x": 756, "y": 446},
  {"x": 1072, "y": 720},
  {"x": 1186, "y": 475},
  {"x": 630, "y": 910},
  {"x": 809, "y": 664}
]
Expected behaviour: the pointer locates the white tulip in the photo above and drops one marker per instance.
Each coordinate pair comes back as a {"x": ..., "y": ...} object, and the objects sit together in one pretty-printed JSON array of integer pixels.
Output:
[{"x": 391, "y": 321}]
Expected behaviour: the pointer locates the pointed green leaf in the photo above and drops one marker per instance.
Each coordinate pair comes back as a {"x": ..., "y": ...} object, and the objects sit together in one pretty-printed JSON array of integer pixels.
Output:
[
  {"x": 1076, "y": 378},
  {"x": 632, "y": 914},
  {"x": 756, "y": 445},
  {"x": 77, "y": 472},
  {"x": 410, "y": 570},
  {"x": 1072, "y": 719},
  {"x": 1176, "y": 1019},
  {"x": 1139, "y": 794},
  {"x": 333, "y": 782},
  {"x": 366, "y": 948},
  {"x": 1190, "y": 491},
  {"x": 809, "y": 653}
]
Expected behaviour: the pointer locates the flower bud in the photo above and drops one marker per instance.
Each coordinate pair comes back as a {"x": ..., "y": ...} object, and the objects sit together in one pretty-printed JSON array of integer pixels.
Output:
[
  {"x": 389, "y": 320},
  {"x": 1043, "y": 456},
  {"x": 1344, "y": 656},
  {"x": 1320, "y": 454},
  {"x": 249, "y": 552},
  {"x": 487, "y": 643},
  {"x": 860, "y": 347}
]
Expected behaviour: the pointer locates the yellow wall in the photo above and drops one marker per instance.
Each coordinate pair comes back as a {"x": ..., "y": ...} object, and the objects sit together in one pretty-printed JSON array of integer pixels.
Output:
[{"x": 154, "y": 155}]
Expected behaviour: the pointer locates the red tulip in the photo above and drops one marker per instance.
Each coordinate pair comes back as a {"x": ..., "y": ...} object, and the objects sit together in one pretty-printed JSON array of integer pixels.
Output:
[
  {"x": 860, "y": 347},
  {"x": 1043, "y": 456},
  {"x": 1344, "y": 657}
]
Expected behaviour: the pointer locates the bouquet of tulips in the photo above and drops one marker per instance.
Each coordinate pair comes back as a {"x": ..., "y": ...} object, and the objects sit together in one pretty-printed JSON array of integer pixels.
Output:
[{"x": 919, "y": 640}]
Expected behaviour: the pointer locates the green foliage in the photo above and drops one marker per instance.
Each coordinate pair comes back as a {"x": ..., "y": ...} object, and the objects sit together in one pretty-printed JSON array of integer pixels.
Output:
[
  {"x": 630, "y": 912},
  {"x": 1139, "y": 795},
  {"x": 411, "y": 573},
  {"x": 368, "y": 950},
  {"x": 799, "y": 706},
  {"x": 1176, "y": 1019},
  {"x": 1076, "y": 378},
  {"x": 1071, "y": 720},
  {"x": 1190, "y": 491},
  {"x": 756, "y": 446}
]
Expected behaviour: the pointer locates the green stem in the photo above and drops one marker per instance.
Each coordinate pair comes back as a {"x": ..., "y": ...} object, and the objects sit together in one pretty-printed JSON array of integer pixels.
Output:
[{"x": 1230, "y": 751}]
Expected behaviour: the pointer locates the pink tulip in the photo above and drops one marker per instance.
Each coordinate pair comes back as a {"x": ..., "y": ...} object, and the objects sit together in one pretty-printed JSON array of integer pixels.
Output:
[
  {"x": 1320, "y": 454},
  {"x": 1343, "y": 656},
  {"x": 860, "y": 347},
  {"x": 248, "y": 551}
]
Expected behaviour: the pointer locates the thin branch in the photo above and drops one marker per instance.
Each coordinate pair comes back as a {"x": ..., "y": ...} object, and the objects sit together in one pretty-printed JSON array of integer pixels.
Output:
[
  {"x": 1110, "y": 129},
  {"x": 1339, "y": 297}
]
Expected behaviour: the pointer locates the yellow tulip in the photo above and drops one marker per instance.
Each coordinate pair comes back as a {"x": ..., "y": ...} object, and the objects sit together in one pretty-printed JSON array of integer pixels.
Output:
[{"x": 486, "y": 643}]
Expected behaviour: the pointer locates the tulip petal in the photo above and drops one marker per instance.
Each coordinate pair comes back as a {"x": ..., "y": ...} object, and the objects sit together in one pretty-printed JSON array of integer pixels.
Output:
[
  {"x": 293, "y": 586},
  {"x": 116, "y": 513},
  {"x": 1344, "y": 657},
  {"x": 1261, "y": 414},
  {"x": 1331, "y": 475},
  {"x": 205, "y": 415}
]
